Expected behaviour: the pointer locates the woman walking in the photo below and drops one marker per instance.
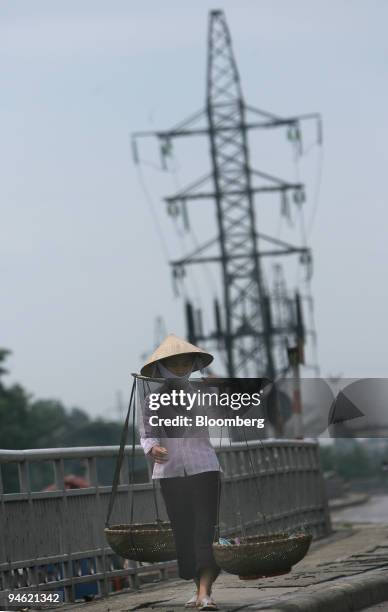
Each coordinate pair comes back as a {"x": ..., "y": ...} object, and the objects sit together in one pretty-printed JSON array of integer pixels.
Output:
[{"x": 189, "y": 474}]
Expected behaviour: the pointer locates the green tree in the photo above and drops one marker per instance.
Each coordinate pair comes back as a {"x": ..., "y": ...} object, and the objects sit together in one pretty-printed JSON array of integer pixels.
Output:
[{"x": 45, "y": 423}]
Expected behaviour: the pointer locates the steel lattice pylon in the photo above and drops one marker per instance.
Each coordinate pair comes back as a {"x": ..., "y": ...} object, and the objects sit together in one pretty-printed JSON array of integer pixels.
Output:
[
  {"x": 246, "y": 329},
  {"x": 242, "y": 277}
]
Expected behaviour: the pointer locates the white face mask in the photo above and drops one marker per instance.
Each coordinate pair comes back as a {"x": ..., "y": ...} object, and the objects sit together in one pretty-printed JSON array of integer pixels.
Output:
[{"x": 166, "y": 373}]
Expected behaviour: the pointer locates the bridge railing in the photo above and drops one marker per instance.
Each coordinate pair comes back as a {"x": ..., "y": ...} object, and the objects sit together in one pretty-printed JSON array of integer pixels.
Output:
[{"x": 55, "y": 539}]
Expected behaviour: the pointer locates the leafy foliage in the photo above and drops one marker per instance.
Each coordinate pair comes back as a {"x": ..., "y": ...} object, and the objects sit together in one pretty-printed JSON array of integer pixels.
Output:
[
  {"x": 352, "y": 460},
  {"x": 27, "y": 423}
]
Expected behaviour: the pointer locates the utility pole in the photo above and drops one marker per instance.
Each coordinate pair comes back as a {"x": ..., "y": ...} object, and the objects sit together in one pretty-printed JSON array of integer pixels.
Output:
[{"x": 245, "y": 329}]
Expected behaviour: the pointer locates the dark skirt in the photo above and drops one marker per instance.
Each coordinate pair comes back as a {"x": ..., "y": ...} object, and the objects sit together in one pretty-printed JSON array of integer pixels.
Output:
[{"x": 192, "y": 507}]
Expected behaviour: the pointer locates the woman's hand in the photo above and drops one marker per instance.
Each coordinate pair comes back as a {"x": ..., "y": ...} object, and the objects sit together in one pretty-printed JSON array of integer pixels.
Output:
[{"x": 159, "y": 454}]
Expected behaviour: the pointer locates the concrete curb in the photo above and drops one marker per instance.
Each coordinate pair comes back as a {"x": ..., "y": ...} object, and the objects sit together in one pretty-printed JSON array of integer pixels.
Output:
[
  {"x": 343, "y": 595},
  {"x": 338, "y": 503}
]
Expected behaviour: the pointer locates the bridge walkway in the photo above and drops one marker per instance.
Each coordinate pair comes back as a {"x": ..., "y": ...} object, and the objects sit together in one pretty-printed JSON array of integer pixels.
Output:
[{"x": 343, "y": 572}]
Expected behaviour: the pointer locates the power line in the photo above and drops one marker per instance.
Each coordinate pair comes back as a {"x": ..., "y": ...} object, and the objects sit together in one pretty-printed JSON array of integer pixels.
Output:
[
  {"x": 317, "y": 191},
  {"x": 154, "y": 215}
]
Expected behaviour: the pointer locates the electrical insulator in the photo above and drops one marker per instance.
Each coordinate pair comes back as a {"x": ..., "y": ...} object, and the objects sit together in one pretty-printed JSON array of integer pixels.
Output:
[
  {"x": 307, "y": 260},
  {"x": 165, "y": 150},
  {"x": 319, "y": 131},
  {"x": 190, "y": 326},
  {"x": 173, "y": 209},
  {"x": 298, "y": 138},
  {"x": 299, "y": 196},
  {"x": 198, "y": 323},
  {"x": 290, "y": 132},
  {"x": 217, "y": 316},
  {"x": 185, "y": 215},
  {"x": 285, "y": 208},
  {"x": 135, "y": 155},
  {"x": 175, "y": 282}
]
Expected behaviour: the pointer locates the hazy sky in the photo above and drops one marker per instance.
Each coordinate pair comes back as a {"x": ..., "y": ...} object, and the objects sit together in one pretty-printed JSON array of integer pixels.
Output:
[{"x": 82, "y": 268}]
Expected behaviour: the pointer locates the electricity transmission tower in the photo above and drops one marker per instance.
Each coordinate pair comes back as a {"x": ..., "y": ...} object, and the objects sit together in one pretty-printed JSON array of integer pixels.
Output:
[{"x": 251, "y": 323}]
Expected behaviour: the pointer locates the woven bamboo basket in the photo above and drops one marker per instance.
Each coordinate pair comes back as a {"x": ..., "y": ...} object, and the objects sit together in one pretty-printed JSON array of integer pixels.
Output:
[
  {"x": 262, "y": 556},
  {"x": 148, "y": 542}
]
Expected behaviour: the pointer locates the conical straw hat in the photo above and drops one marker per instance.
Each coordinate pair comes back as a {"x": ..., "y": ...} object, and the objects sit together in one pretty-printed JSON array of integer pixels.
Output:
[{"x": 173, "y": 345}]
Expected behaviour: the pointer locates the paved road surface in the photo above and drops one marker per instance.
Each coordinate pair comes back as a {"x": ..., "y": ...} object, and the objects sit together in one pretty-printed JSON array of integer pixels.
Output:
[
  {"x": 374, "y": 511},
  {"x": 377, "y": 608},
  {"x": 349, "y": 564}
]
